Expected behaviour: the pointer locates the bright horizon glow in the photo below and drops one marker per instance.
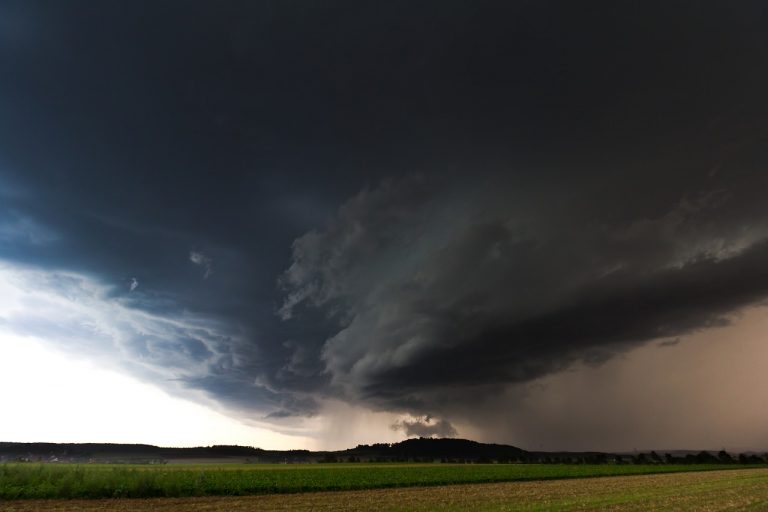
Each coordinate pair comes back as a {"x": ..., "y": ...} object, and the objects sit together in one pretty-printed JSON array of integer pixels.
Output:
[
  {"x": 81, "y": 391},
  {"x": 50, "y": 397},
  {"x": 55, "y": 392}
]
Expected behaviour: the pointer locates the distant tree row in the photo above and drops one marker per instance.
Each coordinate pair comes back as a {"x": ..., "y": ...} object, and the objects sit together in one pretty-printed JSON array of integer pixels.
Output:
[{"x": 702, "y": 457}]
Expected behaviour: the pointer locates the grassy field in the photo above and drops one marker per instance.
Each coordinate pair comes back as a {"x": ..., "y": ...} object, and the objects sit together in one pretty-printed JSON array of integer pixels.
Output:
[
  {"x": 711, "y": 491},
  {"x": 51, "y": 481}
]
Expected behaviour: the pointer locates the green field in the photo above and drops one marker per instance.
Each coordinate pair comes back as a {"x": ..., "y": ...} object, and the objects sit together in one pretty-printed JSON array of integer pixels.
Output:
[
  {"x": 702, "y": 491},
  {"x": 52, "y": 481}
]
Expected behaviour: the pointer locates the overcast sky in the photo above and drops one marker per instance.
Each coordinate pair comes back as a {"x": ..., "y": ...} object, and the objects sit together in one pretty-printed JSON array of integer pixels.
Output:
[{"x": 313, "y": 224}]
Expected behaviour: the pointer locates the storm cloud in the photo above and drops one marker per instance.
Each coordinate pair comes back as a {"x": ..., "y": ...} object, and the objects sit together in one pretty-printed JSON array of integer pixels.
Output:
[
  {"x": 405, "y": 209},
  {"x": 428, "y": 304}
]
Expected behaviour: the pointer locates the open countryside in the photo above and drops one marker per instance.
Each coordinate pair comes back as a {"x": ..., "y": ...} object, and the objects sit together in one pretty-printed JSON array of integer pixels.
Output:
[
  {"x": 415, "y": 474},
  {"x": 387, "y": 255}
]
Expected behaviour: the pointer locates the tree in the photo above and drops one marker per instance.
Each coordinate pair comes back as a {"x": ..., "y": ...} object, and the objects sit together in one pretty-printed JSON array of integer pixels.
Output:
[
  {"x": 704, "y": 457},
  {"x": 724, "y": 457}
]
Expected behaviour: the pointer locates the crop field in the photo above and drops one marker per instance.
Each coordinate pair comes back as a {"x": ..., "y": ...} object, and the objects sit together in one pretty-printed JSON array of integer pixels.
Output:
[
  {"x": 710, "y": 491},
  {"x": 63, "y": 481}
]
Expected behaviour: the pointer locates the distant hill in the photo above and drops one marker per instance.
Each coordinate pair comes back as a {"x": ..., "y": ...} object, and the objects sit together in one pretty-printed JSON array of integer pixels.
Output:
[
  {"x": 423, "y": 449},
  {"x": 437, "y": 449},
  {"x": 410, "y": 450},
  {"x": 116, "y": 452}
]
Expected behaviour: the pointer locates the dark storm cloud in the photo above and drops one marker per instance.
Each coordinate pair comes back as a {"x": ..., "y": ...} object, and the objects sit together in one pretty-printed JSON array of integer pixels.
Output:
[
  {"x": 430, "y": 302},
  {"x": 522, "y": 185}
]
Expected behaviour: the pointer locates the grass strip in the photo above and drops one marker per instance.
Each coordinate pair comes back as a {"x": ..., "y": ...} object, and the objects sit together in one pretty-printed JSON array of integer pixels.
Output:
[{"x": 63, "y": 481}]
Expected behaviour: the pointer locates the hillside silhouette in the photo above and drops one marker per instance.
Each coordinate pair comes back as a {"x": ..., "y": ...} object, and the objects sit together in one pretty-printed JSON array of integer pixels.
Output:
[{"x": 447, "y": 450}]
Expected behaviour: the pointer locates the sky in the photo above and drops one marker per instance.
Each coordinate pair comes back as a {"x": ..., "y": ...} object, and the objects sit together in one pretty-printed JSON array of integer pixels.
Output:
[{"x": 294, "y": 224}]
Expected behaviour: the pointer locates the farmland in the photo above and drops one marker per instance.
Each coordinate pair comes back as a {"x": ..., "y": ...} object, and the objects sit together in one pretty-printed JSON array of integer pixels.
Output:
[
  {"x": 57, "y": 481},
  {"x": 735, "y": 489}
]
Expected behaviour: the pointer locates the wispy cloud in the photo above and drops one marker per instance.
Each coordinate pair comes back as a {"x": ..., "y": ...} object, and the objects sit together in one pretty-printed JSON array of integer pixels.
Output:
[
  {"x": 18, "y": 228},
  {"x": 85, "y": 316},
  {"x": 198, "y": 258}
]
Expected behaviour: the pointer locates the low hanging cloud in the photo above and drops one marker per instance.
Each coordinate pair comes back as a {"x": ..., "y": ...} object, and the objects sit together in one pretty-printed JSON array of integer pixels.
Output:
[
  {"x": 425, "y": 427},
  {"x": 439, "y": 301}
]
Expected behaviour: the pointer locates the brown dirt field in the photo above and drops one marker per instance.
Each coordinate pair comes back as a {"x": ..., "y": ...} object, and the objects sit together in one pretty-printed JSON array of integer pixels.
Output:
[{"x": 745, "y": 489}]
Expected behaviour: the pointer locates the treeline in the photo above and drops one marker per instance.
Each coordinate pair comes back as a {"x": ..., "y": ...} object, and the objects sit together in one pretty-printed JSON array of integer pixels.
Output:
[
  {"x": 702, "y": 457},
  {"x": 462, "y": 451},
  {"x": 602, "y": 458}
]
